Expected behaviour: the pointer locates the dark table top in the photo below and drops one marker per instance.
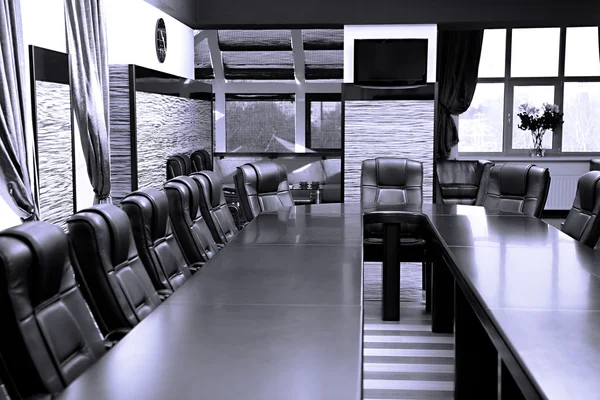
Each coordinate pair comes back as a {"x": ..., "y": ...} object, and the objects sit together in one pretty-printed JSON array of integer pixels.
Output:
[{"x": 278, "y": 312}]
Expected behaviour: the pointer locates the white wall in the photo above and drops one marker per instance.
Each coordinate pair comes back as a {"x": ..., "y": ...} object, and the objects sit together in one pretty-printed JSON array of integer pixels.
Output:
[
  {"x": 352, "y": 32},
  {"x": 131, "y": 25}
]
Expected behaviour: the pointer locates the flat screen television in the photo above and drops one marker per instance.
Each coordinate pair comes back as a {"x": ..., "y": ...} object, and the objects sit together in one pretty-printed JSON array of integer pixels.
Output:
[{"x": 390, "y": 62}]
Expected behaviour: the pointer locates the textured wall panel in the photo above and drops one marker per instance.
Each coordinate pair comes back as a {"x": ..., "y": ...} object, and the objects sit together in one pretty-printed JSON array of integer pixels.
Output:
[
  {"x": 398, "y": 128},
  {"x": 55, "y": 152},
  {"x": 168, "y": 125},
  {"x": 120, "y": 132}
]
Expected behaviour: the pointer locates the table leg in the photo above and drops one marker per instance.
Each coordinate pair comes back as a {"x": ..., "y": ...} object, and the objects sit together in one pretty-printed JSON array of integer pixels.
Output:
[
  {"x": 509, "y": 390},
  {"x": 428, "y": 268},
  {"x": 476, "y": 358},
  {"x": 391, "y": 272},
  {"x": 442, "y": 297}
]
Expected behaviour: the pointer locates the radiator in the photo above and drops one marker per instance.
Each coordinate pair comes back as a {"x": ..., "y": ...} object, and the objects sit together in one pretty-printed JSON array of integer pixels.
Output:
[{"x": 562, "y": 192}]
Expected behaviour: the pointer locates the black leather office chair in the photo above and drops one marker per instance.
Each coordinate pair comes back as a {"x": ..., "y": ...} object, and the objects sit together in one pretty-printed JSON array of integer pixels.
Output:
[
  {"x": 595, "y": 164},
  {"x": 262, "y": 186},
  {"x": 178, "y": 165},
  {"x": 214, "y": 208},
  {"x": 110, "y": 267},
  {"x": 201, "y": 161},
  {"x": 48, "y": 336},
  {"x": 189, "y": 226},
  {"x": 148, "y": 212},
  {"x": 462, "y": 182},
  {"x": 392, "y": 181},
  {"x": 520, "y": 188},
  {"x": 582, "y": 222}
]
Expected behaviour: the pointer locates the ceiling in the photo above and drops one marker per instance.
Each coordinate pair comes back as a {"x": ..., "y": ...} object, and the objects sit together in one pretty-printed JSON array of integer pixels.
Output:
[{"x": 276, "y": 54}]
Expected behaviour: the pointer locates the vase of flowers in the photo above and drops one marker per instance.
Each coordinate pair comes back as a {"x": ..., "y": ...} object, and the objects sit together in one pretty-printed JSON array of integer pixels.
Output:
[{"x": 538, "y": 121}]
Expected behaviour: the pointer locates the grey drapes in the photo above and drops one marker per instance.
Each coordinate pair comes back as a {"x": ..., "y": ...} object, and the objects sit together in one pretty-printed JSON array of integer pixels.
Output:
[
  {"x": 458, "y": 65},
  {"x": 88, "y": 59},
  {"x": 15, "y": 186}
]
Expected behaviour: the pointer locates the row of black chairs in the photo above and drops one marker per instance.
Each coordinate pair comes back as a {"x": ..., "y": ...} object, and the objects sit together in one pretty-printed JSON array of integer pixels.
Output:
[
  {"x": 66, "y": 298},
  {"x": 183, "y": 164}
]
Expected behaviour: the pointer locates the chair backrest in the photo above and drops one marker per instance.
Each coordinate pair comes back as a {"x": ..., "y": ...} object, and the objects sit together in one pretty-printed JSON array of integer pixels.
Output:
[
  {"x": 48, "y": 336},
  {"x": 462, "y": 182},
  {"x": 201, "y": 161},
  {"x": 189, "y": 226},
  {"x": 262, "y": 186},
  {"x": 148, "y": 212},
  {"x": 582, "y": 222},
  {"x": 214, "y": 207},
  {"x": 178, "y": 165},
  {"x": 519, "y": 188},
  {"x": 110, "y": 266},
  {"x": 391, "y": 180}
]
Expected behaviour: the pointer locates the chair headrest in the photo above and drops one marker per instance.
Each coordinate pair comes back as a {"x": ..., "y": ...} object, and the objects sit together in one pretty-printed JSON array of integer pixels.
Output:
[
  {"x": 269, "y": 176},
  {"x": 112, "y": 231},
  {"x": 187, "y": 191},
  {"x": 588, "y": 186},
  {"x": 154, "y": 210},
  {"x": 211, "y": 187},
  {"x": 181, "y": 164},
  {"x": 393, "y": 171},
  {"x": 513, "y": 179},
  {"x": 35, "y": 255}
]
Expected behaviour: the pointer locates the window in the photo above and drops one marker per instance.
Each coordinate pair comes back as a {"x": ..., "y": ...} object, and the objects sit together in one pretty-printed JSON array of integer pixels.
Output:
[
  {"x": 323, "y": 122},
  {"x": 260, "y": 123},
  {"x": 558, "y": 65}
]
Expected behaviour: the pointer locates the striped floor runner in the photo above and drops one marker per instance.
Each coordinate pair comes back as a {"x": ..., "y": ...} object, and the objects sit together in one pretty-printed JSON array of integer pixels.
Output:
[{"x": 405, "y": 360}]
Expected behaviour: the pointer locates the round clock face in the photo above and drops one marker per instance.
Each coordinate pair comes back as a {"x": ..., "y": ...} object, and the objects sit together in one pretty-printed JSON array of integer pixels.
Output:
[{"x": 161, "y": 40}]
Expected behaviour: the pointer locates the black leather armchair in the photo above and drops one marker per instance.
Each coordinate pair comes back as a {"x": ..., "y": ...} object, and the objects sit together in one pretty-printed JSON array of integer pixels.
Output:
[
  {"x": 595, "y": 164},
  {"x": 462, "y": 182},
  {"x": 148, "y": 212},
  {"x": 518, "y": 188},
  {"x": 201, "y": 161},
  {"x": 178, "y": 165},
  {"x": 189, "y": 225},
  {"x": 391, "y": 181},
  {"x": 120, "y": 291},
  {"x": 214, "y": 208},
  {"x": 47, "y": 336},
  {"x": 582, "y": 222},
  {"x": 262, "y": 186}
]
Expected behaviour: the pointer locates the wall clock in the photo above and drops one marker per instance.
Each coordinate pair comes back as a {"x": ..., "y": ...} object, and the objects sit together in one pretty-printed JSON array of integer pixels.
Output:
[{"x": 161, "y": 40}]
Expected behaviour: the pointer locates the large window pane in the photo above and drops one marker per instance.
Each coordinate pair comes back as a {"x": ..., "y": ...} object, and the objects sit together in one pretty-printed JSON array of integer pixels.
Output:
[
  {"x": 493, "y": 54},
  {"x": 481, "y": 125},
  {"x": 325, "y": 125},
  {"x": 260, "y": 126},
  {"x": 535, "y": 52},
  {"x": 581, "y": 53},
  {"x": 534, "y": 96},
  {"x": 581, "y": 130}
]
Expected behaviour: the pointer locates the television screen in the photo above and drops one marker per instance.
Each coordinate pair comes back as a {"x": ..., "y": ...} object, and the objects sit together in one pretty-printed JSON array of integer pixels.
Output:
[{"x": 390, "y": 62}]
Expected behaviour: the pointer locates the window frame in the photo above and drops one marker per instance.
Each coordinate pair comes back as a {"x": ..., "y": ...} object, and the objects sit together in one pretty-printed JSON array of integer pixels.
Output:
[
  {"x": 320, "y": 97},
  {"x": 510, "y": 83}
]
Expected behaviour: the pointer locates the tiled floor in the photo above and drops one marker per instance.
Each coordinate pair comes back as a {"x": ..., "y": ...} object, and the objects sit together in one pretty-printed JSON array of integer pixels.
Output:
[{"x": 404, "y": 360}]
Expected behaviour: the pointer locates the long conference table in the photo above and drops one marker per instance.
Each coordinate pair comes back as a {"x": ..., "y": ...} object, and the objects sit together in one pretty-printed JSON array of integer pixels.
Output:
[{"x": 277, "y": 313}]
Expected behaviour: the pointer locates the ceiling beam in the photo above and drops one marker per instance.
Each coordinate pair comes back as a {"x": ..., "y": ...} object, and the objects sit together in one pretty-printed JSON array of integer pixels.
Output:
[
  {"x": 200, "y": 36},
  {"x": 299, "y": 59},
  {"x": 215, "y": 56}
]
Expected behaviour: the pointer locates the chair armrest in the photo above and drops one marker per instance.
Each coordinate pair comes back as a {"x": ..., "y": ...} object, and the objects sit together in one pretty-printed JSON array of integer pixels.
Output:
[
  {"x": 196, "y": 266},
  {"x": 220, "y": 245},
  {"x": 114, "y": 336},
  {"x": 164, "y": 294}
]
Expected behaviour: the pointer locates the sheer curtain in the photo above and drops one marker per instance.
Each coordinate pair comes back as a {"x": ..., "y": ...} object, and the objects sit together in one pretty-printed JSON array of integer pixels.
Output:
[
  {"x": 88, "y": 59},
  {"x": 459, "y": 52},
  {"x": 15, "y": 185}
]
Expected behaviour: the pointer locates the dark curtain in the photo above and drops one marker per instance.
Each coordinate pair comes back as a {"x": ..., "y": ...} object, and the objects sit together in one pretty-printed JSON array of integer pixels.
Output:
[
  {"x": 459, "y": 52},
  {"x": 88, "y": 59},
  {"x": 15, "y": 186}
]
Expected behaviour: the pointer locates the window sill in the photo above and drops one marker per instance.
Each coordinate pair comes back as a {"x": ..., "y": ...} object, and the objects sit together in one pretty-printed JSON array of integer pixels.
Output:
[{"x": 529, "y": 159}]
